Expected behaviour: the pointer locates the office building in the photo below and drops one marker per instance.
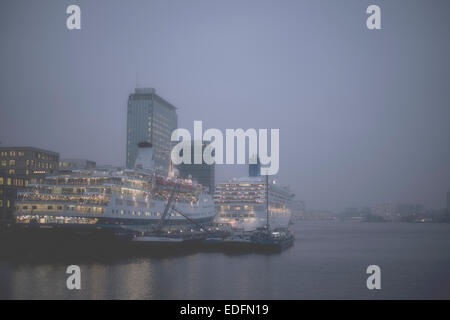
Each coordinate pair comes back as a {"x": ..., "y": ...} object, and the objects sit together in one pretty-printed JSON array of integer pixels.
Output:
[
  {"x": 20, "y": 167},
  {"x": 202, "y": 173},
  {"x": 150, "y": 118},
  {"x": 254, "y": 170}
]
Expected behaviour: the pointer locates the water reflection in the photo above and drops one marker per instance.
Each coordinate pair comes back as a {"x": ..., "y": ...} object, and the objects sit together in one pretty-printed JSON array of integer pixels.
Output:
[{"x": 327, "y": 261}]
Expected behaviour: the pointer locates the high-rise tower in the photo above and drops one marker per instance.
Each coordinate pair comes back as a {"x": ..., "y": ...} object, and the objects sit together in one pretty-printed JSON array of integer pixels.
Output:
[{"x": 150, "y": 118}]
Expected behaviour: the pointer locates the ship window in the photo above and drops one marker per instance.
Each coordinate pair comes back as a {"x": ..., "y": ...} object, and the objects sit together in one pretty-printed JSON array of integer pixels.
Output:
[
  {"x": 50, "y": 207},
  {"x": 33, "y": 207},
  {"x": 25, "y": 207}
]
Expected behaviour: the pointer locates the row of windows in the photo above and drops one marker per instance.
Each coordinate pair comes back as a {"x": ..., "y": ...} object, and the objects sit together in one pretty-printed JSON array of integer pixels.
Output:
[
  {"x": 237, "y": 215},
  {"x": 8, "y": 203},
  {"x": 130, "y": 203},
  {"x": 37, "y": 164},
  {"x": 11, "y": 162},
  {"x": 48, "y": 207},
  {"x": 37, "y": 155},
  {"x": 14, "y": 182},
  {"x": 139, "y": 213},
  {"x": 80, "y": 209},
  {"x": 13, "y": 153}
]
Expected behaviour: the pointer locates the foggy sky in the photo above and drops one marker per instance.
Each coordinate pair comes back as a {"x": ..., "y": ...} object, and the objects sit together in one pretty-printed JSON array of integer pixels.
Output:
[{"x": 364, "y": 116}]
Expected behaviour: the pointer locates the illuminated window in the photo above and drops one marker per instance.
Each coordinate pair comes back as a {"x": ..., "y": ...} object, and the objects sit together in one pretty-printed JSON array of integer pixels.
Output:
[
  {"x": 8, "y": 203},
  {"x": 8, "y": 182},
  {"x": 1, "y": 203},
  {"x": 3, "y": 163},
  {"x": 20, "y": 153},
  {"x": 12, "y": 171},
  {"x": 12, "y": 153},
  {"x": 12, "y": 162},
  {"x": 1, "y": 181}
]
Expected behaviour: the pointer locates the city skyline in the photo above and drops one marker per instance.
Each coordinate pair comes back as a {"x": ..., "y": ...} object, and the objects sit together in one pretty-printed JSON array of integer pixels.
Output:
[{"x": 360, "y": 121}]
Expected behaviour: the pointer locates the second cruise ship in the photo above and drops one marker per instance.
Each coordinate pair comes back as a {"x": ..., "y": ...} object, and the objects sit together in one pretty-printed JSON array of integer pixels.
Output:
[{"x": 242, "y": 202}]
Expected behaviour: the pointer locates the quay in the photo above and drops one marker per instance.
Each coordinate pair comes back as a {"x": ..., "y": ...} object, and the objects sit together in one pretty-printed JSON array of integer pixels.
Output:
[{"x": 63, "y": 241}]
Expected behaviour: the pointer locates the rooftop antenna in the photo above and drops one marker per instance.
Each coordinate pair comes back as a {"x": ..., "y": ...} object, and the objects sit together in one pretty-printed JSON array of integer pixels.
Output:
[{"x": 137, "y": 82}]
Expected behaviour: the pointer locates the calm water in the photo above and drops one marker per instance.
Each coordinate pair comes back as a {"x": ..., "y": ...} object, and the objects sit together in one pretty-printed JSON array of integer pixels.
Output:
[{"x": 328, "y": 260}]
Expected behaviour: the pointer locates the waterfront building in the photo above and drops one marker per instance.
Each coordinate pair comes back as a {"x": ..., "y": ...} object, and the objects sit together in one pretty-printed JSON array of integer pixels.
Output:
[
  {"x": 20, "y": 167},
  {"x": 202, "y": 173},
  {"x": 152, "y": 119},
  {"x": 67, "y": 165},
  {"x": 386, "y": 211}
]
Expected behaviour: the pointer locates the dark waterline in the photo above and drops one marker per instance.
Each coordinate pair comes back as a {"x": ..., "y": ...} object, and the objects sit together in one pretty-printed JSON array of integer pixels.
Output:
[{"x": 329, "y": 260}]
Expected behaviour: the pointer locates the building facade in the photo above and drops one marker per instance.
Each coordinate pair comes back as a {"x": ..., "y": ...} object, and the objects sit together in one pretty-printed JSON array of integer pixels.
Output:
[
  {"x": 20, "y": 167},
  {"x": 202, "y": 173},
  {"x": 152, "y": 119},
  {"x": 254, "y": 170}
]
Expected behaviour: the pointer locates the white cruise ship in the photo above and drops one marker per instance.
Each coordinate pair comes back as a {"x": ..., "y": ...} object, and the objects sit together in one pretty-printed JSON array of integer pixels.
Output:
[
  {"x": 129, "y": 198},
  {"x": 241, "y": 203}
]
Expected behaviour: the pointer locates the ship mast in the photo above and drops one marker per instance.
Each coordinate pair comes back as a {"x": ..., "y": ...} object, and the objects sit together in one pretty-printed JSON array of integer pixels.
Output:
[{"x": 267, "y": 202}]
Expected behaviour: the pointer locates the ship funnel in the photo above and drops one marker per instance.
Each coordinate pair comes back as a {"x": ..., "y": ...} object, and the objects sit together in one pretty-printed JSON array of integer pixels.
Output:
[{"x": 144, "y": 158}]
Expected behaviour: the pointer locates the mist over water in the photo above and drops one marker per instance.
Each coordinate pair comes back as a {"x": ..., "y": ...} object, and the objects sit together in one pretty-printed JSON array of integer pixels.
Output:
[{"x": 329, "y": 260}]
